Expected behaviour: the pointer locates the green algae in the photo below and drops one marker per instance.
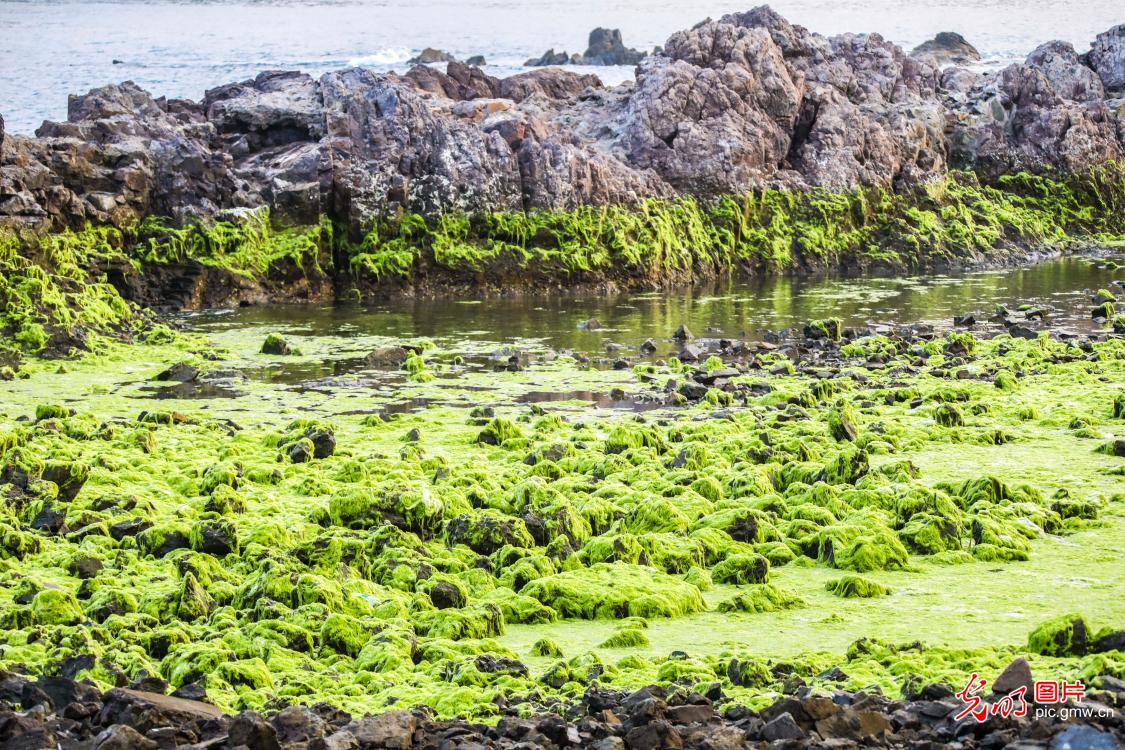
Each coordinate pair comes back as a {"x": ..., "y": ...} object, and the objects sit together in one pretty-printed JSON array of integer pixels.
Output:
[
  {"x": 856, "y": 587},
  {"x": 631, "y": 637},
  {"x": 1062, "y": 636},
  {"x": 765, "y": 597},
  {"x": 616, "y": 590},
  {"x": 419, "y": 560},
  {"x": 52, "y": 297}
]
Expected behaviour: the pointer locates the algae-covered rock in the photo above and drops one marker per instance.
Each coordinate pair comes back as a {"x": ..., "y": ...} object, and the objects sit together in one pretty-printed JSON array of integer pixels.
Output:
[
  {"x": 546, "y": 647},
  {"x": 1005, "y": 381},
  {"x": 276, "y": 345},
  {"x": 344, "y": 634},
  {"x": 616, "y": 590},
  {"x": 842, "y": 423},
  {"x": 308, "y": 439},
  {"x": 626, "y": 638},
  {"x": 214, "y": 537},
  {"x": 499, "y": 431},
  {"x": 742, "y": 569},
  {"x": 828, "y": 328},
  {"x": 487, "y": 531},
  {"x": 410, "y": 506},
  {"x": 765, "y": 597},
  {"x": 478, "y": 621},
  {"x": 1066, "y": 635},
  {"x": 856, "y": 587},
  {"x": 54, "y": 606},
  {"x": 948, "y": 415},
  {"x": 518, "y": 608},
  {"x": 192, "y": 602}
]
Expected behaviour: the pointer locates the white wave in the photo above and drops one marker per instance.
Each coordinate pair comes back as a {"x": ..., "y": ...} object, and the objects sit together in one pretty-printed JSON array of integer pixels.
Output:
[{"x": 385, "y": 56}]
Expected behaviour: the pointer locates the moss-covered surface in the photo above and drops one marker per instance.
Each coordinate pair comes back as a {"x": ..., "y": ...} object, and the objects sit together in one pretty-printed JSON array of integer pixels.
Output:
[
  {"x": 65, "y": 291},
  {"x": 302, "y": 541},
  {"x": 329, "y": 530}
]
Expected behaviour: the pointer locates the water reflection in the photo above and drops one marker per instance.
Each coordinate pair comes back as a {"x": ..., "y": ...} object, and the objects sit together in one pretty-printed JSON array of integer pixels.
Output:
[{"x": 735, "y": 309}]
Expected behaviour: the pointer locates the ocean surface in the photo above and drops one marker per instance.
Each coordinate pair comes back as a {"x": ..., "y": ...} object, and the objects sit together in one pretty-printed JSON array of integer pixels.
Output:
[{"x": 52, "y": 48}]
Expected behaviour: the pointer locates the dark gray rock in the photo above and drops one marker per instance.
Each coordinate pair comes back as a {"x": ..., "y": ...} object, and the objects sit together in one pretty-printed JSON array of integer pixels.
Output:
[
  {"x": 389, "y": 357},
  {"x": 1015, "y": 675},
  {"x": 1106, "y": 57},
  {"x": 784, "y": 727},
  {"x": 393, "y": 730},
  {"x": 607, "y": 48},
  {"x": 430, "y": 55},
  {"x": 121, "y": 737}
]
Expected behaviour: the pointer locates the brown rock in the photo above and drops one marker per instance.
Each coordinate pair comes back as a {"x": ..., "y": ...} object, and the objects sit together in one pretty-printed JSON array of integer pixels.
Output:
[
  {"x": 393, "y": 730},
  {"x": 690, "y": 714},
  {"x": 656, "y": 735},
  {"x": 1015, "y": 675}
]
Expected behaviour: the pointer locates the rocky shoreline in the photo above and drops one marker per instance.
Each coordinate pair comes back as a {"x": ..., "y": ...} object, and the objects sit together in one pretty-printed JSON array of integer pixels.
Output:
[
  {"x": 55, "y": 713},
  {"x": 743, "y": 103},
  {"x": 746, "y": 145}
]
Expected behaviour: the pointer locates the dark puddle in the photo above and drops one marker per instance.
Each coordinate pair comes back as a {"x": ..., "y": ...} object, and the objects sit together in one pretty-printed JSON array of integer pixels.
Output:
[
  {"x": 186, "y": 391},
  {"x": 598, "y": 400}
]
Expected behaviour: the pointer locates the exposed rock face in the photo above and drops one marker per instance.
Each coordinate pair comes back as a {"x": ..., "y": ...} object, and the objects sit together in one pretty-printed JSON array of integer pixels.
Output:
[
  {"x": 743, "y": 102},
  {"x": 1107, "y": 58},
  {"x": 947, "y": 48}
]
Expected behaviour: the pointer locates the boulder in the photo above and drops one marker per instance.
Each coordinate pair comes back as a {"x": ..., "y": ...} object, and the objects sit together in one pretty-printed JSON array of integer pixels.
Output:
[
  {"x": 947, "y": 48},
  {"x": 430, "y": 55},
  {"x": 607, "y": 48}
]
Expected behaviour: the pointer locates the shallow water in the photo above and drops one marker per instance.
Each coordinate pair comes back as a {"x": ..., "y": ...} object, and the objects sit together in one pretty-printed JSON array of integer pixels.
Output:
[
  {"x": 52, "y": 48},
  {"x": 745, "y": 309}
]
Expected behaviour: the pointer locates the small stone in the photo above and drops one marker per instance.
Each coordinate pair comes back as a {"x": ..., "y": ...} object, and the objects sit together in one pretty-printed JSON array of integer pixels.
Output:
[
  {"x": 249, "y": 728},
  {"x": 656, "y": 735},
  {"x": 121, "y": 737},
  {"x": 692, "y": 714},
  {"x": 393, "y": 730},
  {"x": 181, "y": 373},
  {"x": 782, "y": 727},
  {"x": 691, "y": 353},
  {"x": 387, "y": 357},
  {"x": 1015, "y": 675}
]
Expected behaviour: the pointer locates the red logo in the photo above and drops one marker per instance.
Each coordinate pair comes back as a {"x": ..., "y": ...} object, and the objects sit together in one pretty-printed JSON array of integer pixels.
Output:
[
  {"x": 1012, "y": 704},
  {"x": 1015, "y": 702}
]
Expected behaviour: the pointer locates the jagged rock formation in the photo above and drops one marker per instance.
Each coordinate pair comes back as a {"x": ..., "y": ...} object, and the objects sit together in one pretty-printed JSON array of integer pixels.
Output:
[
  {"x": 605, "y": 47},
  {"x": 743, "y": 102}
]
